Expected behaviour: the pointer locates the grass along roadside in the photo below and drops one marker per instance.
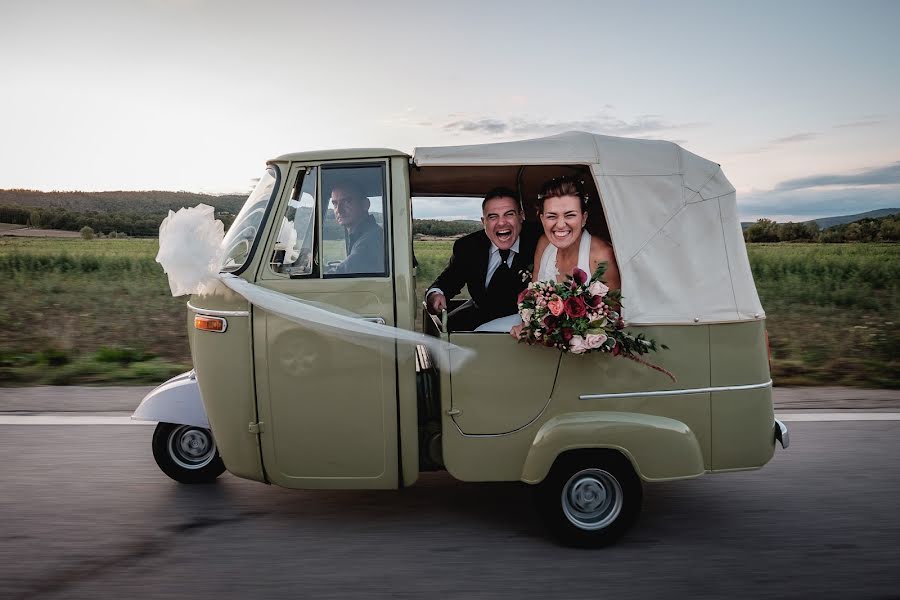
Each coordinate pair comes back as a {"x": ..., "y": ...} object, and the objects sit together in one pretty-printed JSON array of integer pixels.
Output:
[{"x": 68, "y": 305}]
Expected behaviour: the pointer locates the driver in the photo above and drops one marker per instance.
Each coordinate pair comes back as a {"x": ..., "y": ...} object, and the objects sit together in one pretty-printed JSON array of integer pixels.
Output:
[{"x": 363, "y": 237}]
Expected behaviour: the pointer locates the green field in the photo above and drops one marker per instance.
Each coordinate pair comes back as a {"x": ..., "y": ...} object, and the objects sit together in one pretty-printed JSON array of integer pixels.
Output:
[{"x": 100, "y": 311}]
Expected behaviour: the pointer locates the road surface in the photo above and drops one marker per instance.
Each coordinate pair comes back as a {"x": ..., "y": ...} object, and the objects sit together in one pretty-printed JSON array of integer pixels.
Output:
[{"x": 87, "y": 514}]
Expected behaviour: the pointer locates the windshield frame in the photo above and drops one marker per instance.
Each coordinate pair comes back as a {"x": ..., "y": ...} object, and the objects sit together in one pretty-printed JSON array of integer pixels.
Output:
[{"x": 264, "y": 221}]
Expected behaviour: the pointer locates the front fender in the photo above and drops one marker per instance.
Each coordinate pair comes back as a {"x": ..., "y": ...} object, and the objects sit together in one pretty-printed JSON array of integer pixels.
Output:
[
  {"x": 176, "y": 401},
  {"x": 659, "y": 448}
]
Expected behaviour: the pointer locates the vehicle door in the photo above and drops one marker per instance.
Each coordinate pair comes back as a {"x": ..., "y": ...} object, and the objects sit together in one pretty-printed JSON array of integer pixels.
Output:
[
  {"x": 327, "y": 405},
  {"x": 503, "y": 386}
]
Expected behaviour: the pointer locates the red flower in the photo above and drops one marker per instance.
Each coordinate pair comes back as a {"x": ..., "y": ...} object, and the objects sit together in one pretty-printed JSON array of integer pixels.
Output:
[
  {"x": 524, "y": 295},
  {"x": 616, "y": 349},
  {"x": 567, "y": 334},
  {"x": 550, "y": 322},
  {"x": 579, "y": 276},
  {"x": 575, "y": 306}
]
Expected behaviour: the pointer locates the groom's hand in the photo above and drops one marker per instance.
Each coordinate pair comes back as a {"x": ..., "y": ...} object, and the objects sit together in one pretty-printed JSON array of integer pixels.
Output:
[{"x": 436, "y": 302}]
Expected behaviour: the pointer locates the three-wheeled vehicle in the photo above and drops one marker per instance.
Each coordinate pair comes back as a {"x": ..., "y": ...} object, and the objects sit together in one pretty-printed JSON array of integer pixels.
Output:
[{"x": 278, "y": 402}]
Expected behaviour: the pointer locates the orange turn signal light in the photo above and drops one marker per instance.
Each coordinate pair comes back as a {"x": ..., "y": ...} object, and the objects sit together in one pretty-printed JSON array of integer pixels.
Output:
[{"x": 207, "y": 323}]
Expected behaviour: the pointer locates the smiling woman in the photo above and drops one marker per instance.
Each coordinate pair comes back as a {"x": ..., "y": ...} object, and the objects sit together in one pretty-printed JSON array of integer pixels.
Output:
[{"x": 567, "y": 245}]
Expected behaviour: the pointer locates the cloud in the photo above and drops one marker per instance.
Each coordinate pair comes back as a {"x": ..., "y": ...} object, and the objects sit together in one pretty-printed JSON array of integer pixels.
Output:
[
  {"x": 603, "y": 123},
  {"x": 797, "y": 137},
  {"x": 483, "y": 125},
  {"x": 826, "y": 195},
  {"x": 866, "y": 121},
  {"x": 805, "y": 204},
  {"x": 778, "y": 143},
  {"x": 887, "y": 175}
]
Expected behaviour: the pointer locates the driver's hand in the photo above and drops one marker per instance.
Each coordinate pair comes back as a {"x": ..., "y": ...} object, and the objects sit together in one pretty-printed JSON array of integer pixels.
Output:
[{"x": 437, "y": 302}]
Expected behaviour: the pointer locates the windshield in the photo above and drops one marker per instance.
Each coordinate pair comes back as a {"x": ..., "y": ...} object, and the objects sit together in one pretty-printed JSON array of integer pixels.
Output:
[{"x": 241, "y": 236}]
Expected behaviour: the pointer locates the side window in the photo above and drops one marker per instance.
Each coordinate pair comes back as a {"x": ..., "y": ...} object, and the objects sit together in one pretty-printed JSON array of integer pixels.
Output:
[
  {"x": 294, "y": 251},
  {"x": 353, "y": 224}
]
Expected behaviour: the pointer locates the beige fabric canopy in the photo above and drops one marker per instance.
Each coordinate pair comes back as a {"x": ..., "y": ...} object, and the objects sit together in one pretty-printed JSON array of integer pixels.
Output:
[{"x": 672, "y": 217}]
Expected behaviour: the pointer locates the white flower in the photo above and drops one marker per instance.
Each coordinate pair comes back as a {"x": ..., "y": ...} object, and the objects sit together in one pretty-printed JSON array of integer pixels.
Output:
[{"x": 526, "y": 314}]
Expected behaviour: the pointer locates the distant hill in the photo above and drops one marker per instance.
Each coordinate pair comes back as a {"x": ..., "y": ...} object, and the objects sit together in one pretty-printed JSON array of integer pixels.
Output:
[
  {"x": 872, "y": 214},
  {"x": 134, "y": 203},
  {"x": 439, "y": 228},
  {"x": 826, "y": 222}
]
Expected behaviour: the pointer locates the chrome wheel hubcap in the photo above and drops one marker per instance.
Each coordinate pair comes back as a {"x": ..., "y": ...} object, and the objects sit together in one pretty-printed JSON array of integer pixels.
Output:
[
  {"x": 592, "y": 499},
  {"x": 191, "y": 447}
]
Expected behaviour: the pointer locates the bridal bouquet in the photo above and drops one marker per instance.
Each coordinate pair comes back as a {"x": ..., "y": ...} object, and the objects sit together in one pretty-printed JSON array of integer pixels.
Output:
[{"x": 580, "y": 315}]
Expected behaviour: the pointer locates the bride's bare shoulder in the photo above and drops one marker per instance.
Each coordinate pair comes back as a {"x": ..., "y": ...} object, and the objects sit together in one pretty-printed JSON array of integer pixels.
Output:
[{"x": 601, "y": 248}]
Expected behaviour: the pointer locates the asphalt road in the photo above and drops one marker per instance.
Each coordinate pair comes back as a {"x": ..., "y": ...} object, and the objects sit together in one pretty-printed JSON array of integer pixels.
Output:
[{"x": 87, "y": 514}]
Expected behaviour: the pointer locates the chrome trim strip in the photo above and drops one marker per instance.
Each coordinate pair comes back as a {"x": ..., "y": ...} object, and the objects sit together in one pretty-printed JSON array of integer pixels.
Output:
[
  {"x": 723, "y": 388},
  {"x": 218, "y": 313},
  {"x": 377, "y": 320}
]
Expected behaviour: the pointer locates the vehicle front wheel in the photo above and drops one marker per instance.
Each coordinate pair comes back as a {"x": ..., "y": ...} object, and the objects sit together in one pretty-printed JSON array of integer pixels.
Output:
[
  {"x": 186, "y": 453},
  {"x": 590, "y": 498}
]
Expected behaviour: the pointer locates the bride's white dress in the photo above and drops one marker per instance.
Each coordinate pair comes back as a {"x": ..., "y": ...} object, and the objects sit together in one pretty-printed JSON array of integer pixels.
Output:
[{"x": 547, "y": 272}]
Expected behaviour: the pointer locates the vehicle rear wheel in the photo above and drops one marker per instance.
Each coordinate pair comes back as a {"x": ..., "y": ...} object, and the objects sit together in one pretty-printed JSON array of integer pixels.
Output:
[
  {"x": 590, "y": 498},
  {"x": 187, "y": 453}
]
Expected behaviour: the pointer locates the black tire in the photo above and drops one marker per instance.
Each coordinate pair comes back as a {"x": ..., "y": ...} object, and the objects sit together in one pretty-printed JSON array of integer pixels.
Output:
[
  {"x": 186, "y": 453},
  {"x": 590, "y": 498}
]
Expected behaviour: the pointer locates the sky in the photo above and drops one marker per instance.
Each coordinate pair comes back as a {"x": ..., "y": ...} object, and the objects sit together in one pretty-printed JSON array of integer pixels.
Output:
[{"x": 798, "y": 101}]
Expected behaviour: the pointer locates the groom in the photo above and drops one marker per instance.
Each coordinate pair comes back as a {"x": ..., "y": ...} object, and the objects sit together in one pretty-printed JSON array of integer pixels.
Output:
[{"x": 488, "y": 263}]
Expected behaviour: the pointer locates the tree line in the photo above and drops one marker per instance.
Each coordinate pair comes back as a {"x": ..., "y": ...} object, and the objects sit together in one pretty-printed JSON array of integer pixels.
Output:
[
  {"x": 147, "y": 224},
  {"x": 883, "y": 229},
  {"x": 133, "y": 224}
]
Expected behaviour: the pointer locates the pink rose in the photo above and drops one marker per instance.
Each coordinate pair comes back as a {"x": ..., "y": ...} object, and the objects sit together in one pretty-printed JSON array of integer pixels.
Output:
[
  {"x": 575, "y": 307},
  {"x": 577, "y": 345},
  {"x": 598, "y": 288},
  {"x": 594, "y": 340},
  {"x": 555, "y": 305}
]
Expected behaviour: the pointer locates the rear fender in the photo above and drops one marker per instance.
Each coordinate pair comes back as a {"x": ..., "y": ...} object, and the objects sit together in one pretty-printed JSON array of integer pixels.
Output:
[
  {"x": 659, "y": 448},
  {"x": 176, "y": 401}
]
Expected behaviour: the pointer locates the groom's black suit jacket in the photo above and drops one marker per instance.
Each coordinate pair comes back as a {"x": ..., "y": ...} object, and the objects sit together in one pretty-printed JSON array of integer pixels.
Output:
[{"x": 468, "y": 267}]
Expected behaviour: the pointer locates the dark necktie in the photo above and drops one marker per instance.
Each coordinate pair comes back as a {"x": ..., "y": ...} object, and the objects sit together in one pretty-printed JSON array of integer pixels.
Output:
[
  {"x": 501, "y": 292},
  {"x": 504, "y": 256},
  {"x": 500, "y": 275}
]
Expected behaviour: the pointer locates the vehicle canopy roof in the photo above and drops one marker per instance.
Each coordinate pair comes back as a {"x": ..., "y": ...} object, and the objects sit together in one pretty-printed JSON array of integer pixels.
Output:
[{"x": 671, "y": 214}]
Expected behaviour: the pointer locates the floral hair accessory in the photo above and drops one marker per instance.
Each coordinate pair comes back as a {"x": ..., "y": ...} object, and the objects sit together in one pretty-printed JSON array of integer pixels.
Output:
[{"x": 581, "y": 315}]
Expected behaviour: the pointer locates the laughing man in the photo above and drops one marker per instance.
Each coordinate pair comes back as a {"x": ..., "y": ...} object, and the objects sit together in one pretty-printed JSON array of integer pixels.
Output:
[{"x": 488, "y": 263}]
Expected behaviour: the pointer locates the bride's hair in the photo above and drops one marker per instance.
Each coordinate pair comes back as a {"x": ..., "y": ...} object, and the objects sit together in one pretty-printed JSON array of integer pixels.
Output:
[{"x": 563, "y": 186}]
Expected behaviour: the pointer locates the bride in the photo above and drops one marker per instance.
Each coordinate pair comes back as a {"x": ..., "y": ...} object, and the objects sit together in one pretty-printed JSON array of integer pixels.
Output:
[{"x": 565, "y": 245}]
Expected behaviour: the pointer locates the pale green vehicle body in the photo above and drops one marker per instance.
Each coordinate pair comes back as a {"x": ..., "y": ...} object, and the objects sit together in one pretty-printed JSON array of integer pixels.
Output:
[{"x": 300, "y": 409}]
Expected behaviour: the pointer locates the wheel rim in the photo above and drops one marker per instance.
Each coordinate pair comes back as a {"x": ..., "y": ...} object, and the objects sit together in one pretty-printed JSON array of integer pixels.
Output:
[
  {"x": 592, "y": 499},
  {"x": 191, "y": 447}
]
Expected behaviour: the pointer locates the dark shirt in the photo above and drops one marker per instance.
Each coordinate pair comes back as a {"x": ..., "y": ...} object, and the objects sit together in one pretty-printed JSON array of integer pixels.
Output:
[{"x": 365, "y": 249}]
